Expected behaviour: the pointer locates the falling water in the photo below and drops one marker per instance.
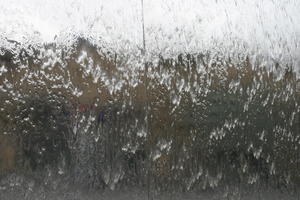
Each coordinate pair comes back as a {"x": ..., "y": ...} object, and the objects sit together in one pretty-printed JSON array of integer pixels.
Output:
[{"x": 140, "y": 99}]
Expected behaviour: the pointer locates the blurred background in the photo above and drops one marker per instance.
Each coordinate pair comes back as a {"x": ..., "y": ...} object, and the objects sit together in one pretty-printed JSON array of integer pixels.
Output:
[{"x": 142, "y": 99}]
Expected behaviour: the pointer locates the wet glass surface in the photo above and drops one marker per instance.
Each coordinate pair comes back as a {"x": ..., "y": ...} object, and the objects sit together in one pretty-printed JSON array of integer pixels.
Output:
[{"x": 149, "y": 100}]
